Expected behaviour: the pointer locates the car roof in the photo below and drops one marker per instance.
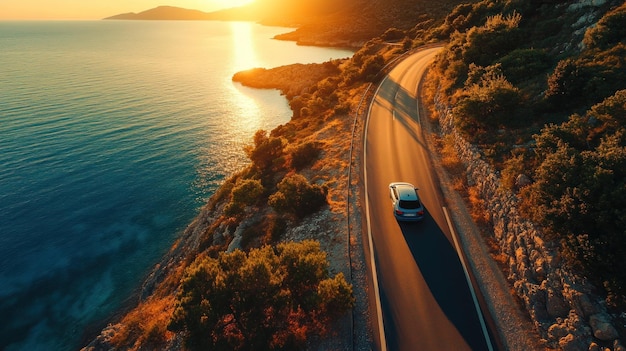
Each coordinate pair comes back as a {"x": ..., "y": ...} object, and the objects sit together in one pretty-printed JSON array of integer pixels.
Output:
[{"x": 406, "y": 191}]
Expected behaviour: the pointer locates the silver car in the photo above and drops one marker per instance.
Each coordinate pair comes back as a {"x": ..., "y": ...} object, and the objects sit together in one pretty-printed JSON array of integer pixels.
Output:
[{"x": 406, "y": 204}]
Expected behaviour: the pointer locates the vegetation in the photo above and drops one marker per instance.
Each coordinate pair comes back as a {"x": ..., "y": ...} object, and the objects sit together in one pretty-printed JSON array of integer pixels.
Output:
[
  {"x": 272, "y": 298},
  {"x": 296, "y": 196},
  {"x": 267, "y": 153},
  {"x": 579, "y": 193},
  {"x": 552, "y": 111},
  {"x": 304, "y": 155},
  {"x": 538, "y": 99}
]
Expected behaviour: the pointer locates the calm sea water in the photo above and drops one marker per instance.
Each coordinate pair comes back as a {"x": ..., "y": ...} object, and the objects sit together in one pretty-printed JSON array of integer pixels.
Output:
[{"x": 112, "y": 135}]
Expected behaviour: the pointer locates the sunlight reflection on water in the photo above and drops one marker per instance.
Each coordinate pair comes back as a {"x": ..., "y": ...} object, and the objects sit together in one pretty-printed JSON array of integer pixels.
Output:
[{"x": 113, "y": 134}]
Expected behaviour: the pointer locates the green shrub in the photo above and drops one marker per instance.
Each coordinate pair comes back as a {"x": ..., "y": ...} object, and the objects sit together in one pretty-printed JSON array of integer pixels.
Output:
[
  {"x": 371, "y": 67},
  {"x": 248, "y": 192},
  {"x": 393, "y": 34},
  {"x": 296, "y": 196},
  {"x": 233, "y": 209},
  {"x": 609, "y": 31},
  {"x": 298, "y": 103},
  {"x": 499, "y": 36},
  {"x": 305, "y": 154},
  {"x": 335, "y": 295},
  {"x": 267, "y": 152},
  {"x": 513, "y": 167},
  {"x": 579, "y": 193},
  {"x": 273, "y": 298},
  {"x": 487, "y": 104},
  {"x": 521, "y": 64}
]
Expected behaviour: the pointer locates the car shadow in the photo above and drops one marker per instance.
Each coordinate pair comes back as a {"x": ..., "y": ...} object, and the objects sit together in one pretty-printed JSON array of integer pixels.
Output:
[{"x": 441, "y": 268}]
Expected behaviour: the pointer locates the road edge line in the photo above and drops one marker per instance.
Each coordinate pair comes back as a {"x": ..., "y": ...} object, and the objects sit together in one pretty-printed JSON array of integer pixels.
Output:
[
  {"x": 379, "y": 312},
  {"x": 483, "y": 325}
]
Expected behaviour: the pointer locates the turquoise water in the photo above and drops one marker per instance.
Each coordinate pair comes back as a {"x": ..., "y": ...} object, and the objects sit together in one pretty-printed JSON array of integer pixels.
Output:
[{"x": 112, "y": 135}]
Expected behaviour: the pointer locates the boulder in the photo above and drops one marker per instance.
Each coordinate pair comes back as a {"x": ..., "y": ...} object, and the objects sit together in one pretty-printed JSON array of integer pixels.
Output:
[
  {"x": 522, "y": 181},
  {"x": 602, "y": 327},
  {"x": 555, "y": 304}
]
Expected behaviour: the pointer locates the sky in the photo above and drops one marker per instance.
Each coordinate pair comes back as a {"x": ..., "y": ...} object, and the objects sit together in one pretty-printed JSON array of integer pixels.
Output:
[{"x": 97, "y": 9}]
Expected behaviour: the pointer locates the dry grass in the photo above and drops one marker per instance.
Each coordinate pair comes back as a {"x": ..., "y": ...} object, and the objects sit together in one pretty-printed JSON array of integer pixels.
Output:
[
  {"x": 146, "y": 325},
  {"x": 456, "y": 169},
  {"x": 478, "y": 212},
  {"x": 451, "y": 162}
]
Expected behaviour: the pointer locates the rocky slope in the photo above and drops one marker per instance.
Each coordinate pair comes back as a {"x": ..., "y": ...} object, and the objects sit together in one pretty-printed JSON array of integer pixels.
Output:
[{"x": 562, "y": 305}]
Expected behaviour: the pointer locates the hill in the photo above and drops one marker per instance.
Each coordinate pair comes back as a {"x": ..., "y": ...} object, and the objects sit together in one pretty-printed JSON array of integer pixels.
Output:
[
  {"x": 348, "y": 23},
  {"x": 165, "y": 13}
]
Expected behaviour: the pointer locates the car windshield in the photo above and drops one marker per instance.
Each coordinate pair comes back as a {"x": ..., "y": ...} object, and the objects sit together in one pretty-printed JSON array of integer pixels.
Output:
[{"x": 410, "y": 205}]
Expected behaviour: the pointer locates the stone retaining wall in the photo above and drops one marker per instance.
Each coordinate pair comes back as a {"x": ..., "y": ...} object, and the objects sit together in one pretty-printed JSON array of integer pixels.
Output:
[{"x": 560, "y": 303}]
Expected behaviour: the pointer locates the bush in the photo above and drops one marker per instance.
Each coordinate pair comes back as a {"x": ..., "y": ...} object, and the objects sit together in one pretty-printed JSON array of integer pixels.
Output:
[
  {"x": 267, "y": 152},
  {"x": 520, "y": 64},
  {"x": 335, "y": 295},
  {"x": 305, "y": 154},
  {"x": 296, "y": 196},
  {"x": 587, "y": 79},
  {"x": 371, "y": 67},
  {"x": 487, "y": 104},
  {"x": 579, "y": 194},
  {"x": 248, "y": 192},
  {"x": 513, "y": 167},
  {"x": 486, "y": 44},
  {"x": 273, "y": 298},
  {"x": 565, "y": 83},
  {"x": 609, "y": 31},
  {"x": 393, "y": 34},
  {"x": 233, "y": 209}
]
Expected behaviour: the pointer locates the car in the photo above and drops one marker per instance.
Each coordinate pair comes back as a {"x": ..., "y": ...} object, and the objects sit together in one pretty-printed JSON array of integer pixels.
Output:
[{"x": 406, "y": 203}]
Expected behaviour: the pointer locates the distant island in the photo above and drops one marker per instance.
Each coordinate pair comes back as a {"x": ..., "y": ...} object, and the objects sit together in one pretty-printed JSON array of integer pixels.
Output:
[
  {"x": 329, "y": 23},
  {"x": 181, "y": 14}
]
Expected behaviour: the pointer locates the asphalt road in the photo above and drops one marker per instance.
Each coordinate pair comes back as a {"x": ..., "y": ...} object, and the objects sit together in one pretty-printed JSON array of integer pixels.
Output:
[{"x": 425, "y": 298}]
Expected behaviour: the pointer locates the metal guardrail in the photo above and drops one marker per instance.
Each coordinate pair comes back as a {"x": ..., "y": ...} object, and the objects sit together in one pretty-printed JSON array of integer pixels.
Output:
[{"x": 349, "y": 187}]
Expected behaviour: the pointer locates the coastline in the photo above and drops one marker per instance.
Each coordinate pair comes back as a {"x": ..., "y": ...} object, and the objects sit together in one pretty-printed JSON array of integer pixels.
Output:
[
  {"x": 163, "y": 278},
  {"x": 331, "y": 226}
]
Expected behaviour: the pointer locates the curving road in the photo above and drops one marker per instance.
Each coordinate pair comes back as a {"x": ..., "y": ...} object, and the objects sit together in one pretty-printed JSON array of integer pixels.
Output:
[{"x": 425, "y": 298}]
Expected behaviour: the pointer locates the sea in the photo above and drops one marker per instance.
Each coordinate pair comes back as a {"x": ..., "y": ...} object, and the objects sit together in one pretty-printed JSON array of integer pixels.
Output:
[{"x": 113, "y": 134}]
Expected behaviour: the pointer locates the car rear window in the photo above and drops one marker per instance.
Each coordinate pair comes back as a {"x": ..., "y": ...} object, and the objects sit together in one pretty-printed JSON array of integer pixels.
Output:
[{"x": 410, "y": 204}]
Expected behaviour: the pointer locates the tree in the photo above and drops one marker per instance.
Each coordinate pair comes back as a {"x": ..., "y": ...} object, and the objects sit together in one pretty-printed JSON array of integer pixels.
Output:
[
  {"x": 267, "y": 152},
  {"x": 253, "y": 301}
]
